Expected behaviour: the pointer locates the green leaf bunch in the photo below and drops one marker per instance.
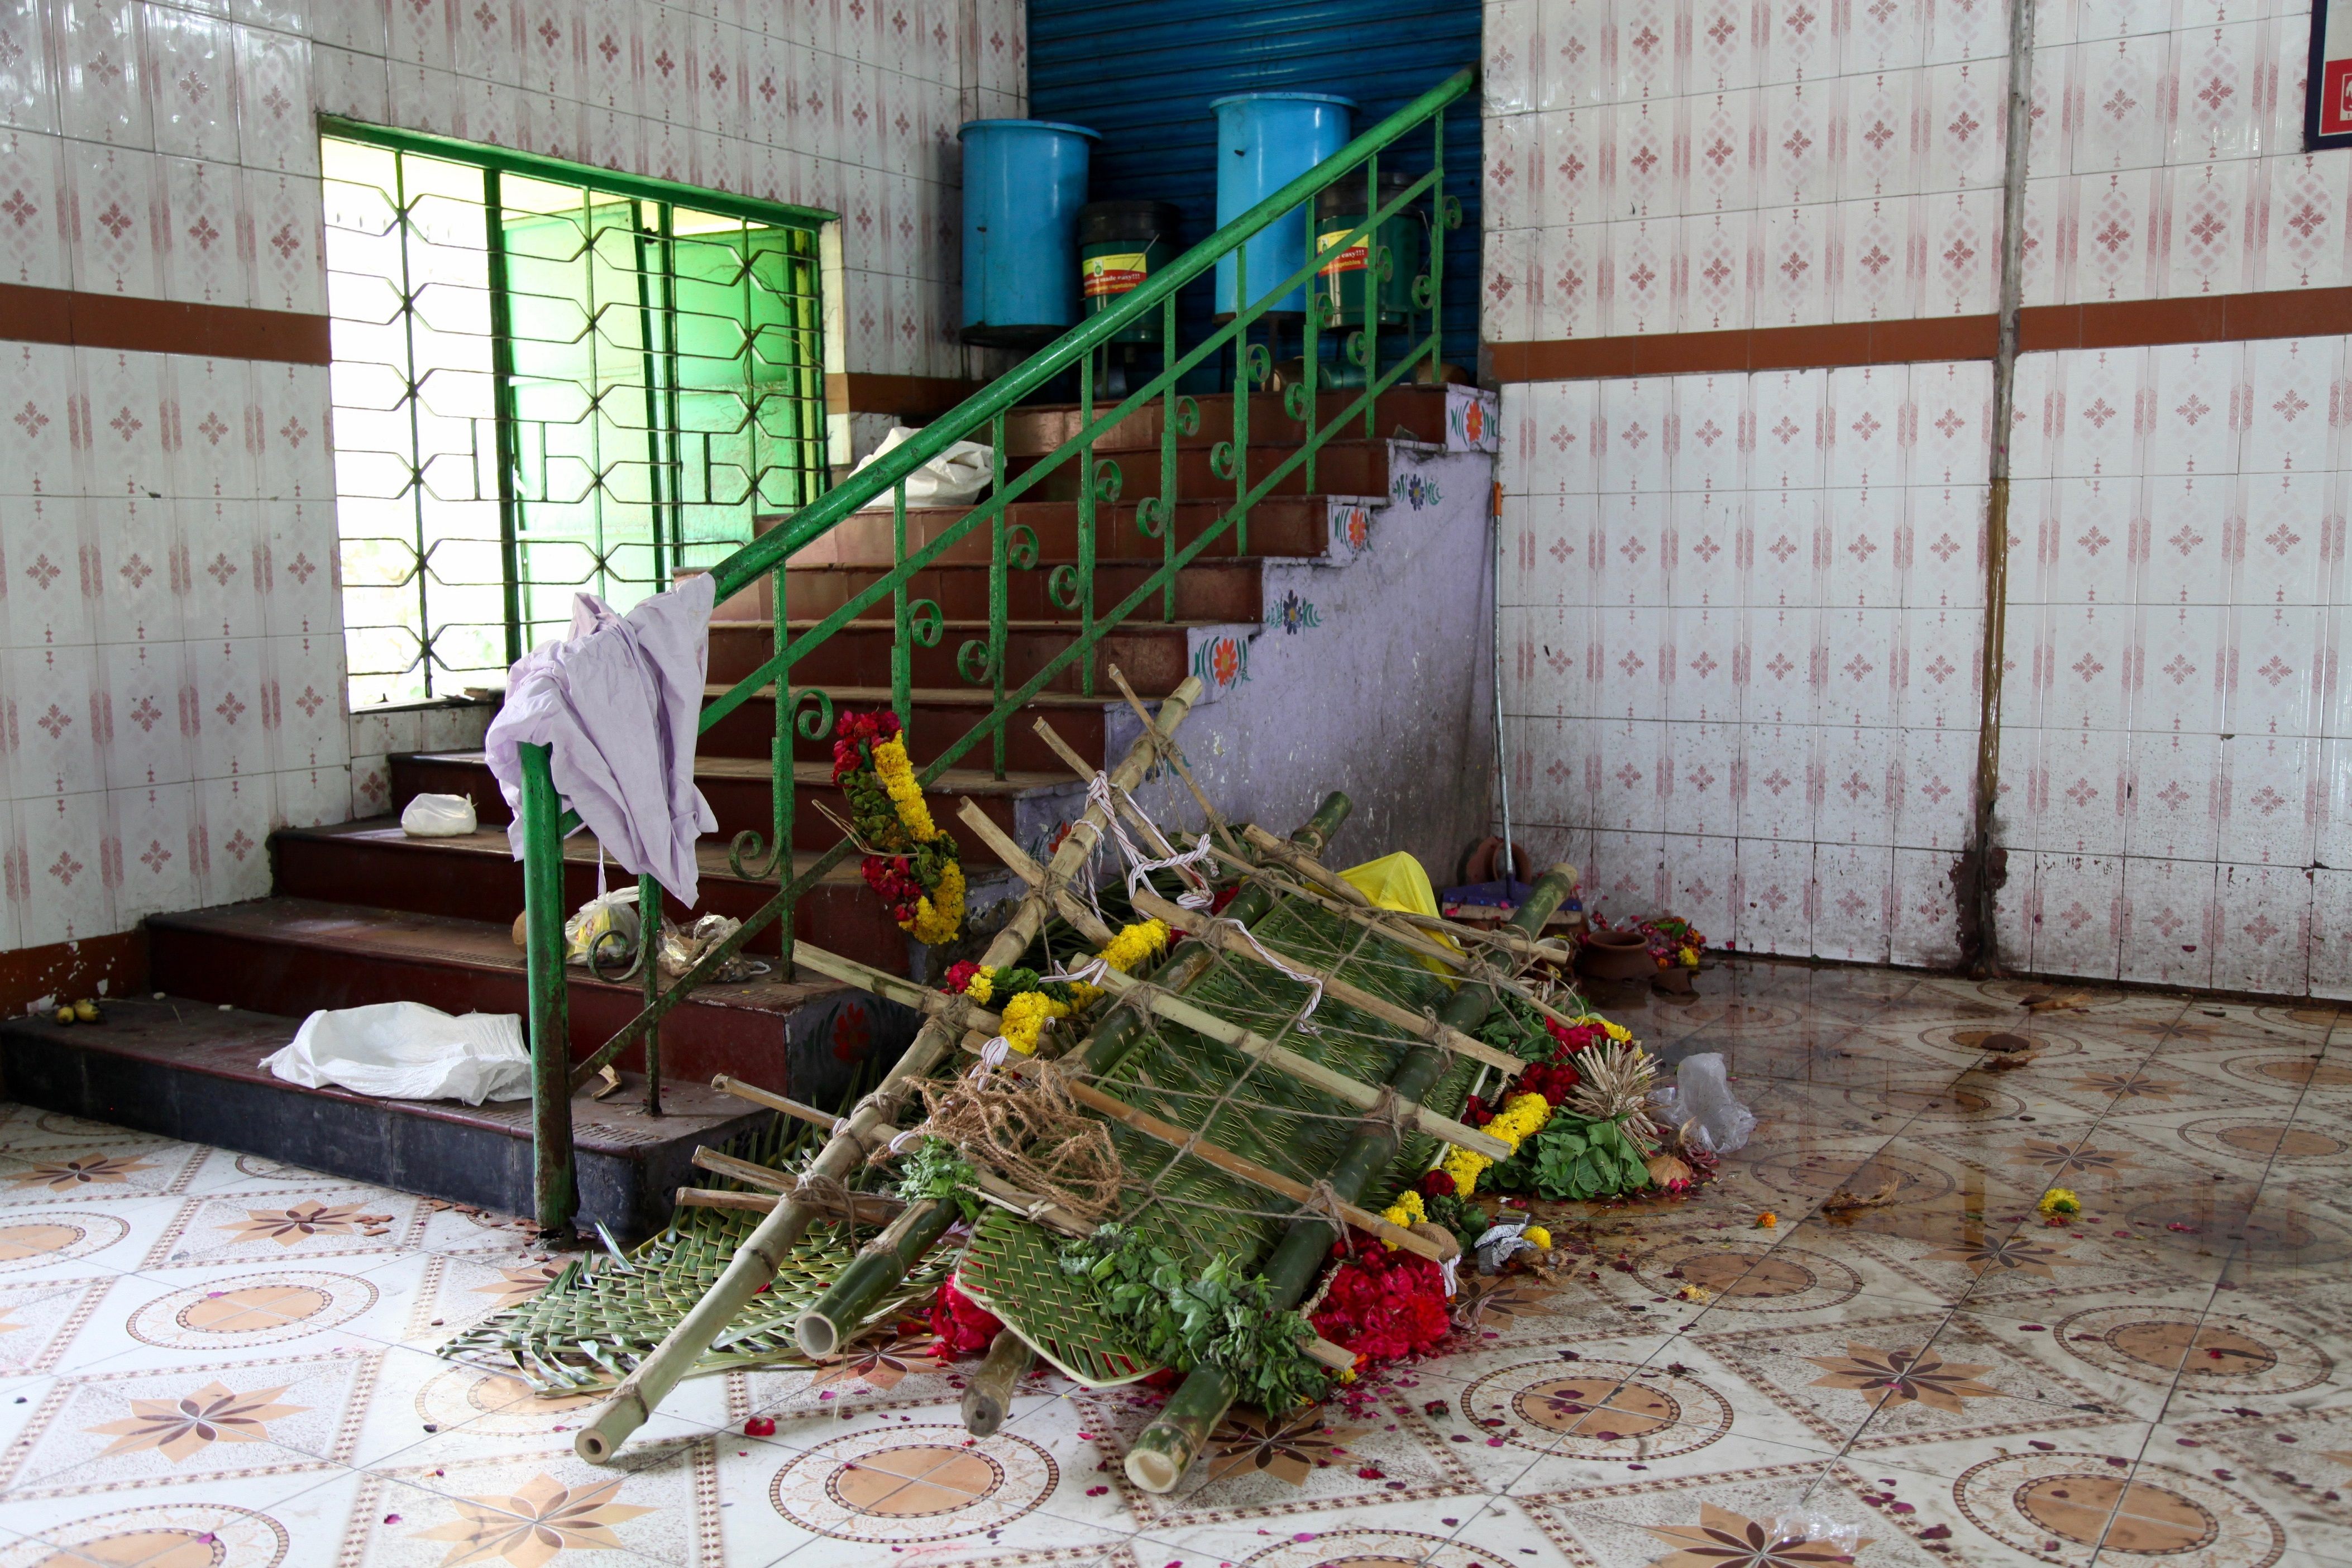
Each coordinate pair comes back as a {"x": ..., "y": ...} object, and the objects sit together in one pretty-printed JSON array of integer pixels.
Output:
[
  {"x": 934, "y": 1170},
  {"x": 1222, "y": 1317},
  {"x": 1577, "y": 1157}
]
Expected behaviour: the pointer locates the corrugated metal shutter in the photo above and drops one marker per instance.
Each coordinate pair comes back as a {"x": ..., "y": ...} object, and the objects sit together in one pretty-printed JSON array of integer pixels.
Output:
[{"x": 1144, "y": 74}]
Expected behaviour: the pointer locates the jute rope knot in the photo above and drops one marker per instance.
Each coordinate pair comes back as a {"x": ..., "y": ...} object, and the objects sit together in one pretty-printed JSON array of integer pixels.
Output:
[{"x": 829, "y": 1196}]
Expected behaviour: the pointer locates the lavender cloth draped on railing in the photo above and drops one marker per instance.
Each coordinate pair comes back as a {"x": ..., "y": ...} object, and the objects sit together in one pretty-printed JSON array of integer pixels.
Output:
[{"x": 618, "y": 702}]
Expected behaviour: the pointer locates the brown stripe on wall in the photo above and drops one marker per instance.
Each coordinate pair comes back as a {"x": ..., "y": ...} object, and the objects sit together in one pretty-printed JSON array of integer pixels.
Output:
[
  {"x": 32, "y": 315},
  {"x": 913, "y": 397},
  {"x": 2127, "y": 323}
]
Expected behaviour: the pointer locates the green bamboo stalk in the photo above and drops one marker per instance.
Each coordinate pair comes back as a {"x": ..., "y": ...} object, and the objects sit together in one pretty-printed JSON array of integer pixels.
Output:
[
  {"x": 988, "y": 1396},
  {"x": 1167, "y": 1447},
  {"x": 875, "y": 1271}
]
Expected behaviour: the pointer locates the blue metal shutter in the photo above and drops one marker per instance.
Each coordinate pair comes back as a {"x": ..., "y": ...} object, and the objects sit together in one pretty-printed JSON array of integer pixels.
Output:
[{"x": 1144, "y": 73}]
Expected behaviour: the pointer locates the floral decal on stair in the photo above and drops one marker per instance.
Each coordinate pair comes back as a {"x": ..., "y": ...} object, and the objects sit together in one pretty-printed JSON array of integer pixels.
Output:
[{"x": 1291, "y": 613}]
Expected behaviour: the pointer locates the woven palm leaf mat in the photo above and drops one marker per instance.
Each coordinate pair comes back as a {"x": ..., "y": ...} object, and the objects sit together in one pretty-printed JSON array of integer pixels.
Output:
[
  {"x": 1190, "y": 1207},
  {"x": 592, "y": 1325}
]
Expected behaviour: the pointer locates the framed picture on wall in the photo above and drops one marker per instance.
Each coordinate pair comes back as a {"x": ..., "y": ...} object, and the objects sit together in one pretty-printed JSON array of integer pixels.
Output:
[{"x": 2327, "y": 89}]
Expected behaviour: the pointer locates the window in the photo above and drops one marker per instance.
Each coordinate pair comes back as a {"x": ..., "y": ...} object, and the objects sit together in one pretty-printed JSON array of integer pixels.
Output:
[{"x": 549, "y": 380}]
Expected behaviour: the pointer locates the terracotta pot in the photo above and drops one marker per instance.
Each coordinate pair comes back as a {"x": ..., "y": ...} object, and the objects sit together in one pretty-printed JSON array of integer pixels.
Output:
[
  {"x": 1484, "y": 862},
  {"x": 1615, "y": 955}
]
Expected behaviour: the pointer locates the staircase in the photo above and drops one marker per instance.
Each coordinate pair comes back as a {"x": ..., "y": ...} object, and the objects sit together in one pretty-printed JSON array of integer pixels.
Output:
[{"x": 360, "y": 913}]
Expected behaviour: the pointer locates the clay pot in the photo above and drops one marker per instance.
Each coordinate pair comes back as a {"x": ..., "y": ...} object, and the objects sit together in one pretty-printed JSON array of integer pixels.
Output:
[
  {"x": 1484, "y": 862},
  {"x": 1614, "y": 955}
]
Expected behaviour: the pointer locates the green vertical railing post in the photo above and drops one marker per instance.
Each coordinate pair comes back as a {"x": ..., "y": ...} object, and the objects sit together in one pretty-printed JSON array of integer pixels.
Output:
[
  {"x": 1440, "y": 221},
  {"x": 1371, "y": 340},
  {"x": 1000, "y": 590},
  {"x": 552, "y": 1195},
  {"x": 1086, "y": 496},
  {"x": 1167, "y": 508},
  {"x": 508, "y": 457},
  {"x": 902, "y": 625},
  {"x": 1240, "y": 443},
  {"x": 649, "y": 920}
]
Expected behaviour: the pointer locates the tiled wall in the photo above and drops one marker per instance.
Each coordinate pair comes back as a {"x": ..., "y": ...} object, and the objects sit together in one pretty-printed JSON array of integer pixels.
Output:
[
  {"x": 170, "y": 685},
  {"x": 1691, "y": 165},
  {"x": 1780, "y": 741},
  {"x": 2174, "y": 740},
  {"x": 1742, "y": 625}
]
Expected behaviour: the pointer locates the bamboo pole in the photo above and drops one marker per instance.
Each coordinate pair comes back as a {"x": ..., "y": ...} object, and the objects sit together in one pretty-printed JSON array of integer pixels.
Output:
[
  {"x": 1088, "y": 924},
  {"x": 1164, "y": 1449},
  {"x": 1348, "y": 892},
  {"x": 1226, "y": 939},
  {"x": 1306, "y": 1070},
  {"x": 1213, "y": 818},
  {"x": 1174, "y": 1009},
  {"x": 1185, "y": 1140},
  {"x": 865, "y": 1208},
  {"x": 1378, "y": 920},
  {"x": 988, "y": 1396},
  {"x": 880, "y": 1264},
  {"x": 771, "y": 1242}
]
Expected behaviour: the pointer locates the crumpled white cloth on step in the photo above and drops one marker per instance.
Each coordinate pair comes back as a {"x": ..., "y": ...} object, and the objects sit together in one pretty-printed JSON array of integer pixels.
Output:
[
  {"x": 406, "y": 1050},
  {"x": 618, "y": 700}
]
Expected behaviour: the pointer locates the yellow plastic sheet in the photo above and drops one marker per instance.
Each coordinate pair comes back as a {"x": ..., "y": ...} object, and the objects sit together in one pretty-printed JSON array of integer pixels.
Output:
[{"x": 1398, "y": 882}]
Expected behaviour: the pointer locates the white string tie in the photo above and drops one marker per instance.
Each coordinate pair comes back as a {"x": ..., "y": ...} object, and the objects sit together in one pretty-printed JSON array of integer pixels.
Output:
[
  {"x": 1451, "y": 1267},
  {"x": 1140, "y": 866},
  {"x": 993, "y": 1055},
  {"x": 840, "y": 1126},
  {"x": 899, "y": 1141},
  {"x": 1312, "y": 981}
]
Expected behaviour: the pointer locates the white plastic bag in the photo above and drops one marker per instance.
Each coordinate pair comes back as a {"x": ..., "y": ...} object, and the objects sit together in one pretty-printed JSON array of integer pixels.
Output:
[
  {"x": 612, "y": 915},
  {"x": 406, "y": 1050},
  {"x": 954, "y": 478},
  {"x": 1700, "y": 1096},
  {"x": 438, "y": 816}
]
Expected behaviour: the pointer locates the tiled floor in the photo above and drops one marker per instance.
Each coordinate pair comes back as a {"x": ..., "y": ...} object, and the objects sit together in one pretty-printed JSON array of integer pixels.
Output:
[{"x": 209, "y": 1360}]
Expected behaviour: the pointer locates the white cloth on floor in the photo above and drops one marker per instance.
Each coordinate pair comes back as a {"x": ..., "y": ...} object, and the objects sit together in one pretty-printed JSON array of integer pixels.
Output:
[
  {"x": 619, "y": 701},
  {"x": 406, "y": 1050}
]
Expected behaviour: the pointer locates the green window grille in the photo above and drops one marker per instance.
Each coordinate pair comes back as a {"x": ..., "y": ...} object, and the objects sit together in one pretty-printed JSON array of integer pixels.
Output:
[{"x": 549, "y": 379}]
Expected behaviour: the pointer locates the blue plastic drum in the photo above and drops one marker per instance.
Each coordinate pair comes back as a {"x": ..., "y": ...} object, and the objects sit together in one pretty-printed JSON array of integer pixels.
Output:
[
  {"x": 1023, "y": 183},
  {"x": 1265, "y": 141}
]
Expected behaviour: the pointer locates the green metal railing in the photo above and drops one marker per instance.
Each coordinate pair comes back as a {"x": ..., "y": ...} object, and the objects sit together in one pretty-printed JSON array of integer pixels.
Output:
[{"x": 980, "y": 660}]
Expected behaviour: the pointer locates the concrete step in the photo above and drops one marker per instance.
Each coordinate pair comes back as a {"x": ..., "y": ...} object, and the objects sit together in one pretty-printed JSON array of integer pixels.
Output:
[
  {"x": 739, "y": 790},
  {"x": 291, "y": 956},
  {"x": 940, "y": 717},
  {"x": 1153, "y": 655},
  {"x": 180, "y": 1067},
  {"x": 1223, "y": 589},
  {"x": 474, "y": 876},
  {"x": 1409, "y": 412}
]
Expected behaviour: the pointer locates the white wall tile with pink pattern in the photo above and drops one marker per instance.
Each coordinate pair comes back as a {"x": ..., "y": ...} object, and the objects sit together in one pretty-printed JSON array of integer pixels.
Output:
[
  {"x": 1741, "y": 616},
  {"x": 172, "y": 676},
  {"x": 1682, "y": 165},
  {"x": 1778, "y": 647}
]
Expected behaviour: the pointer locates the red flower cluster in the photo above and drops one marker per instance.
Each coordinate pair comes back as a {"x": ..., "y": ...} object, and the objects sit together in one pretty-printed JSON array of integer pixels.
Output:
[
  {"x": 1382, "y": 1305},
  {"x": 1436, "y": 1185},
  {"x": 1552, "y": 1080},
  {"x": 894, "y": 883},
  {"x": 853, "y": 733},
  {"x": 960, "y": 975},
  {"x": 963, "y": 1325}
]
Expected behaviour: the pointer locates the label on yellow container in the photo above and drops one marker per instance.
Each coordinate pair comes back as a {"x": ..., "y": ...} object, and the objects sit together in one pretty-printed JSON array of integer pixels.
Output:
[
  {"x": 1348, "y": 261},
  {"x": 1100, "y": 275}
]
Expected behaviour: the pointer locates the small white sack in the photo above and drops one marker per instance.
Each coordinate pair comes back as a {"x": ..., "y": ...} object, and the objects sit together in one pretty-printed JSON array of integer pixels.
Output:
[
  {"x": 438, "y": 816},
  {"x": 1700, "y": 1095},
  {"x": 406, "y": 1050},
  {"x": 954, "y": 478}
]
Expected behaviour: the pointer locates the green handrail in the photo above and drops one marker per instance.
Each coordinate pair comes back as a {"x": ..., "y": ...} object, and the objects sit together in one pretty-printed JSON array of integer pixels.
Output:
[{"x": 1071, "y": 585}]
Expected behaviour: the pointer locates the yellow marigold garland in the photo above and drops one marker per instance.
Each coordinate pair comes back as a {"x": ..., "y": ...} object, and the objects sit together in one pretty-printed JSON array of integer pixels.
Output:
[
  {"x": 1522, "y": 1116},
  {"x": 1025, "y": 1017},
  {"x": 911, "y": 863}
]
